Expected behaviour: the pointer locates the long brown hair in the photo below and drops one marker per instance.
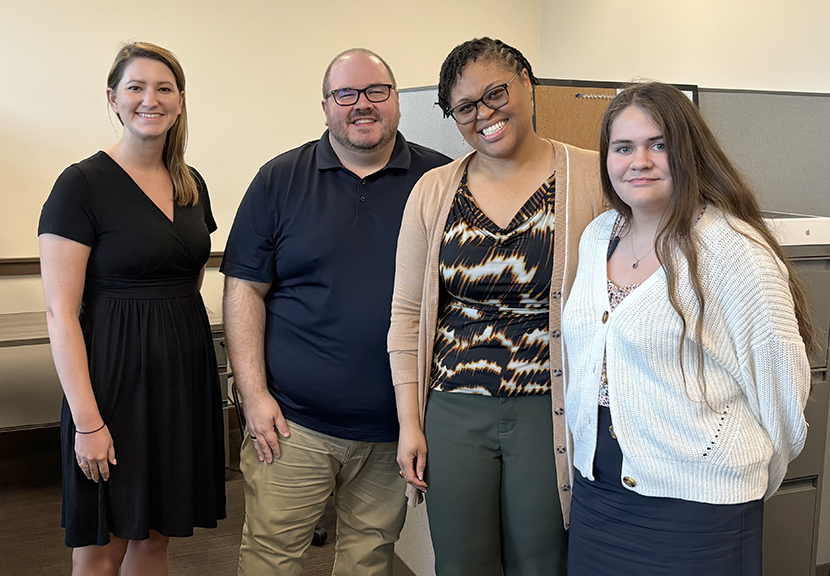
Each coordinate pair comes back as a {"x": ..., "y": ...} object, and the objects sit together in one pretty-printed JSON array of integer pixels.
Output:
[
  {"x": 701, "y": 173},
  {"x": 186, "y": 190}
]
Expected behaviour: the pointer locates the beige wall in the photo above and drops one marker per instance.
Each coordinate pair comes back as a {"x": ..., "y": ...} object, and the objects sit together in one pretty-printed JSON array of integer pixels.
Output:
[
  {"x": 745, "y": 44},
  {"x": 254, "y": 71}
]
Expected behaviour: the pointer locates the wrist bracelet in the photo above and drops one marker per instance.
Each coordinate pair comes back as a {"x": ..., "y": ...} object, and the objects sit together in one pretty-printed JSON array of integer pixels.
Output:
[{"x": 91, "y": 431}]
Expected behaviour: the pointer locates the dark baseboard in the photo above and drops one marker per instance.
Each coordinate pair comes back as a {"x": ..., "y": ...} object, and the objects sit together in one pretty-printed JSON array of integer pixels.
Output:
[
  {"x": 30, "y": 457},
  {"x": 31, "y": 266},
  {"x": 823, "y": 570}
]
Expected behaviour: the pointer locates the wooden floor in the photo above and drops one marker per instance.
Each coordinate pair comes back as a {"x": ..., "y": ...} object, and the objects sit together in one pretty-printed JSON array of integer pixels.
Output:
[{"x": 31, "y": 539}]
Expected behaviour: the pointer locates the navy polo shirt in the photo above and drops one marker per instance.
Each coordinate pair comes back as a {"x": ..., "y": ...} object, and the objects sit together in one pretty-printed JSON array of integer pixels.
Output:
[{"x": 325, "y": 239}]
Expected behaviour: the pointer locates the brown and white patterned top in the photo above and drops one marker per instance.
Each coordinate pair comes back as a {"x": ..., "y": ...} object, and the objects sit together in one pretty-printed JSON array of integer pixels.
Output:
[{"x": 493, "y": 336}]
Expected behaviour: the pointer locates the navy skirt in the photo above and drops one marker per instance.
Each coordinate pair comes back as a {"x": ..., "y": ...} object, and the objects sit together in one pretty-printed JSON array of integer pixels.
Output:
[{"x": 616, "y": 531}]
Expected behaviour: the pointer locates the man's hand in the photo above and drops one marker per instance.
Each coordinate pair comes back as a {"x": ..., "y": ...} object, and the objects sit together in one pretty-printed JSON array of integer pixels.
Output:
[{"x": 265, "y": 419}]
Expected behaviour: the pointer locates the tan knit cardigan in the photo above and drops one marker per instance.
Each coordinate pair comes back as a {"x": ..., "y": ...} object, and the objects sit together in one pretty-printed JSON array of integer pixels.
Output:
[{"x": 415, "y": 300}]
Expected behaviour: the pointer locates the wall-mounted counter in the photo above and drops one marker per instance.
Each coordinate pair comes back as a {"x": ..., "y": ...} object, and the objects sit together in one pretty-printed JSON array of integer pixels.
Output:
[{"x": 30, "y": 392}]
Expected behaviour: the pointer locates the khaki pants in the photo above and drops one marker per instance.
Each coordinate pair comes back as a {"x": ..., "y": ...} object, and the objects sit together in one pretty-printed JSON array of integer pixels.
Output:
[{"x": 285, "y": 500}]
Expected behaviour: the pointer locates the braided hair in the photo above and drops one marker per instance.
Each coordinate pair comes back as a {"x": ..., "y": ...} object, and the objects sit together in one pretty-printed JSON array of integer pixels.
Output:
[{"x": 485, "y": 49}]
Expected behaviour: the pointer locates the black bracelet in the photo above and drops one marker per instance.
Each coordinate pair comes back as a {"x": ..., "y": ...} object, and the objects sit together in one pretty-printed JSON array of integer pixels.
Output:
[{"x": 91, "y": 431}]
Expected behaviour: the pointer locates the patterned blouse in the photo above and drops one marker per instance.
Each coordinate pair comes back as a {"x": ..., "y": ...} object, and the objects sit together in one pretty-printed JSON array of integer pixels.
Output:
[
  {"x": 616, "y": 294},
  {"x": 493, "y": 332}
]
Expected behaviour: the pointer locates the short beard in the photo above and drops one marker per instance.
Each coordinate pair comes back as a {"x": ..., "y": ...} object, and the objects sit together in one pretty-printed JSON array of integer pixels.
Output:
[{"x": 385, "y": 138}]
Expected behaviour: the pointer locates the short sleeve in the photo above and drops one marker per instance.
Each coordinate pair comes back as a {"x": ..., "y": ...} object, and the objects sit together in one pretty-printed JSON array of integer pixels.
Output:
[
  {"x": 204, "y": 199},
  {"x": 67, "y": 212},
  {"x": 250, "y": 250}
]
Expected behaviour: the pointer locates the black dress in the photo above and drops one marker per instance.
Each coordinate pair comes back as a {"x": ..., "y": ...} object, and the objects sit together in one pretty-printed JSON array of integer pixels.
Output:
[{"x": 151, "y": 359}]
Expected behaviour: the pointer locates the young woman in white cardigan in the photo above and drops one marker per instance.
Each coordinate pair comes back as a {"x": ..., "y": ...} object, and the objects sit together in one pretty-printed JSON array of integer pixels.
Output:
[{"x": 687, "y": 367}]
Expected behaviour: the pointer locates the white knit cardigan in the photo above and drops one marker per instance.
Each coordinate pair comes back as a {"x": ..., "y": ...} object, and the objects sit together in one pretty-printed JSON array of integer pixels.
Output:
[{"x": 757, "y": 373}]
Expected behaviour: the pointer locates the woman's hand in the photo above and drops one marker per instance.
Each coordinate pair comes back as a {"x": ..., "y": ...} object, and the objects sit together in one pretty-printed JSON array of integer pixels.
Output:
[
  {"x": 94, "y": 453},
  {"x": 63, "y": 265},
  {"x": 412, "y": 456}
]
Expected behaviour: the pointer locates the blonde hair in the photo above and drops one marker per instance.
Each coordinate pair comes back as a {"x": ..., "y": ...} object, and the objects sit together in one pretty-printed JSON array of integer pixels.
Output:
[{"x": 186, "y": 190}]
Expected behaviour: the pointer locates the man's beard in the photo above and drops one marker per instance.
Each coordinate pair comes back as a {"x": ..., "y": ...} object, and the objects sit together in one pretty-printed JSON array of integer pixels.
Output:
[{"x": 387, "y": 134}]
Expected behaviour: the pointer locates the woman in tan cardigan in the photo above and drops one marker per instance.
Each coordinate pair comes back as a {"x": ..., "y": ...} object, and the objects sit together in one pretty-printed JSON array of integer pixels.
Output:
[{"x": 481, "y": 280}]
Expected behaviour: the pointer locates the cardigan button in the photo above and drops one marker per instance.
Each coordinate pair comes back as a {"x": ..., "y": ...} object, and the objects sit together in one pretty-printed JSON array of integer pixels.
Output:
[
  {"x": 559, "y": 411},
  {"x": 557, "y": 373},
  {"x": 560, "y": 450},
  {"x": 629, "y": 481},
  {"x": 605, "y": 317},
  {"x": 556, "y": 295},
  {"x": 565, "y": 487},
  {"x": 611, "y": 432},
  {"x": 555, "y": 334}
]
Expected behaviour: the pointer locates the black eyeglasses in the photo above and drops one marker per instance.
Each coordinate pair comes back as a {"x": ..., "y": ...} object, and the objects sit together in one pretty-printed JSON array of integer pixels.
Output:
[
  {"x": 495, "y": 98},
  {"x": 349, "y": 96}
]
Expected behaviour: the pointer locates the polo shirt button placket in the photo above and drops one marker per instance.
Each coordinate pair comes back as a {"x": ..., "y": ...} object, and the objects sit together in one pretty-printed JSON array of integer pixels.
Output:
[{"x": 362, "y": 191}]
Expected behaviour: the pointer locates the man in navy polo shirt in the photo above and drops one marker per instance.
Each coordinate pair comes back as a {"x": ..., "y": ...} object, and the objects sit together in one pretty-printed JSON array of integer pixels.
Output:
[{"x": 309, "y": 269}]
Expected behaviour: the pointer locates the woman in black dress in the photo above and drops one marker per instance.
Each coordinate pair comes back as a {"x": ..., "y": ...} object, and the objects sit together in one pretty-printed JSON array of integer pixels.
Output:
[{"x": 124, "y": 238}]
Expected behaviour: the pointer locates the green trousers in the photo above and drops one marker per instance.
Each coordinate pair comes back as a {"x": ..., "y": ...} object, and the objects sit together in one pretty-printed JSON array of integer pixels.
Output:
[{"x": 491, "y": 499}]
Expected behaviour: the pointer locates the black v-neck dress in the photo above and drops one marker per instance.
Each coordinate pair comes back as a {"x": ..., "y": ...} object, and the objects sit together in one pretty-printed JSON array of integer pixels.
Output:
[{"x": 151, "y": 359}]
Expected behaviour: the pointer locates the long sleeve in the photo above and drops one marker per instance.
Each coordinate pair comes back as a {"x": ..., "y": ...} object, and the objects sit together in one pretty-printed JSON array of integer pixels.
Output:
[{"x": 410, "y": 270}]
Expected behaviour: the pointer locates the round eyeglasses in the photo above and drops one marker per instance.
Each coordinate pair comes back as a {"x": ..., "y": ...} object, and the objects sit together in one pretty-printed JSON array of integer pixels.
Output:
[
  {"x": 495, "y": 98},
  {"x": 374, "y": 93}
]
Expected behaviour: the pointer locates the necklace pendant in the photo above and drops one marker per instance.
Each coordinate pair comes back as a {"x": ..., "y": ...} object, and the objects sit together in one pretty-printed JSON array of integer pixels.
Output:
[{"x": 635, "y": 264}]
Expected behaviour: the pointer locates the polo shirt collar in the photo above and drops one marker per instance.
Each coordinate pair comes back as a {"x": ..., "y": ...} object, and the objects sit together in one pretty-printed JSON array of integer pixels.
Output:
[{"x": 327, "y": 159}]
